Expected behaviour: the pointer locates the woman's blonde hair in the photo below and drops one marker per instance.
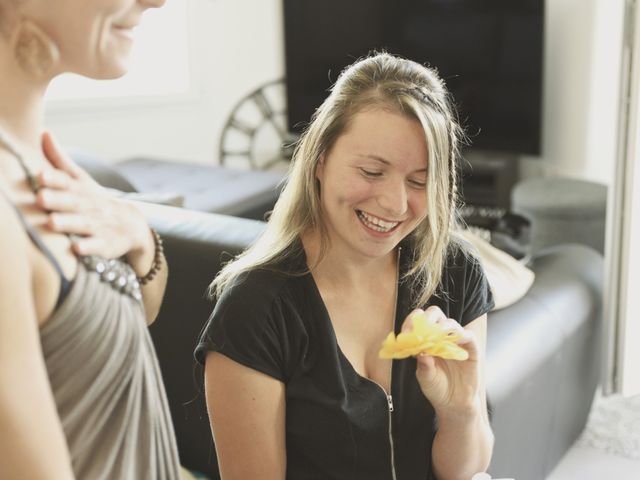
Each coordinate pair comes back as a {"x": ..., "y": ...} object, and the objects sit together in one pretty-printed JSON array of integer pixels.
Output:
[{"x": 383, "y": 81}]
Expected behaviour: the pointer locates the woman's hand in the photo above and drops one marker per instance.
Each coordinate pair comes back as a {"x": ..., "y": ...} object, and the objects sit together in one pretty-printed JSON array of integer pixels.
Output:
[
  {"x": 105, "y": 225},
  {"x": 451, "y": 386},
  {"x": 464, "y": 441}
]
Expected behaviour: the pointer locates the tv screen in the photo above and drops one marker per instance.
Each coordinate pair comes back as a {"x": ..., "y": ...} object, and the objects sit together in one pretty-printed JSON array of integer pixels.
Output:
[{"x": 489, "y": 52}]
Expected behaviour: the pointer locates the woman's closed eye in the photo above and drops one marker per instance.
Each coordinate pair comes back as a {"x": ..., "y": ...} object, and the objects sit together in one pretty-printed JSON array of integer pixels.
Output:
[
  {"x": 417, "y": 183},
  {"x": 370, "y": 173}
]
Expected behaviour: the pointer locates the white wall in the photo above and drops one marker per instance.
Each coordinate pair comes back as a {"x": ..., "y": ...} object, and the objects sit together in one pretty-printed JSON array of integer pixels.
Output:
[
  {"x": 581, "y": 85},
  {"x": 238, "y": 45},
  {"x": 602, "y": 133}
]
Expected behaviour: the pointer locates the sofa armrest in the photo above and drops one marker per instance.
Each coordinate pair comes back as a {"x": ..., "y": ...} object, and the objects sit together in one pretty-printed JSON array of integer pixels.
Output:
[
  {"x": 102, "y": 172},
  {"x": 543, "y": 362}
]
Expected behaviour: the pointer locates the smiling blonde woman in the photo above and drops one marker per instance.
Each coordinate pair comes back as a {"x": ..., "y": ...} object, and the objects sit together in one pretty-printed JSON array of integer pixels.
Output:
[{"x": 361, "y": 236}]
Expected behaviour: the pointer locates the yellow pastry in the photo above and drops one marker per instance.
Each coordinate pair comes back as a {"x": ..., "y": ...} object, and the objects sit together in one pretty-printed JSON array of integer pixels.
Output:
[{"x": 425, "y": 337}]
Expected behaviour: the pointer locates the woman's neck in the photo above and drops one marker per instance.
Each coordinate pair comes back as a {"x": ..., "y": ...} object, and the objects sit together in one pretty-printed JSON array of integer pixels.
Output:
[
  {"x": 21, "y": 103},
  {"x": 342, "y": 269}
]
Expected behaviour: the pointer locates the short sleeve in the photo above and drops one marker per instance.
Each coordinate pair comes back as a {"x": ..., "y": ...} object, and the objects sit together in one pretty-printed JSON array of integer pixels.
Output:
[
  {"x": 464, "y": 293},
  {"x": 477, "y": 298},
  {"x": 248, "y": 326}
]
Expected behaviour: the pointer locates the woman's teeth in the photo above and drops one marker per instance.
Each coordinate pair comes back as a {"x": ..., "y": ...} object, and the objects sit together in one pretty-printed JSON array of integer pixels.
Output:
[{"x": 376, "y": 223}]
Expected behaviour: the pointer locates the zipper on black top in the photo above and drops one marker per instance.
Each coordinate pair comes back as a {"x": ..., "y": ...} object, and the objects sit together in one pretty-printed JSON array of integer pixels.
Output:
[
  {"x": 389, "y": 395},
  {"x": 393, "y": 454}
]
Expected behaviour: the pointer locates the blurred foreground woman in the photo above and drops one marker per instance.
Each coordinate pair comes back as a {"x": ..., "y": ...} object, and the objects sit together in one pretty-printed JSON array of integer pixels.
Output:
[{"x": 82, "y": 273}]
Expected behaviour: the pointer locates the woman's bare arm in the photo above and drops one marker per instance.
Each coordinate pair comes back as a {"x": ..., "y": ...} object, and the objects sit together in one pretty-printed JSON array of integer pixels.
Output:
[
  {"x": 32, "y": 442},
  {"x": 247, "y": 415},
  {"x": 464, "y": 442}
]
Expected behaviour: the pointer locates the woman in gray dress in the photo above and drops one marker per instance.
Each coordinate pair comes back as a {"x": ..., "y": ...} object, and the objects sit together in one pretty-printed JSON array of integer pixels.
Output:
[{"x": 82, "y": 273}]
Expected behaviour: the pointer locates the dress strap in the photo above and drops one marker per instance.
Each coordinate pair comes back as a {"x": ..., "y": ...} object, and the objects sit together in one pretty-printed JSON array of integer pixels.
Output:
[{"x": 65, "y": 283}]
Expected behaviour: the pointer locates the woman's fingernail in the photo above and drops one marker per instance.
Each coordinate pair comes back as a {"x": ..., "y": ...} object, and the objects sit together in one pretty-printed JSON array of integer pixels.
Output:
[
  {"x": 44, "y": 196},
  {"x": 52, "y": 138},
  {"x": 55, "y": 221},
  {"x": 78, "y": 247}
]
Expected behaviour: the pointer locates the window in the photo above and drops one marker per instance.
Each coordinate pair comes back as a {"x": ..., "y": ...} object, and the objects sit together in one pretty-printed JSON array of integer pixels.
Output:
[{"x": 159, "y": 64}]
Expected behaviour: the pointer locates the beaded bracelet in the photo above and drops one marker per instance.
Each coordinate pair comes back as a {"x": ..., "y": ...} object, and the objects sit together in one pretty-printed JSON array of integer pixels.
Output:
[{"x": 156, "y": 265}]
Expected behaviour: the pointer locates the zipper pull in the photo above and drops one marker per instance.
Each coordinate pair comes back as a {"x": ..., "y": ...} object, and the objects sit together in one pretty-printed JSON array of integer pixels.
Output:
[{"x": 390, "y": 402}]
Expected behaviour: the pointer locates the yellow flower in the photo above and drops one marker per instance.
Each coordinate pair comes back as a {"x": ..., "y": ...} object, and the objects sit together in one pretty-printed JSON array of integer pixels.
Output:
[{"x": 425, "y": 337}]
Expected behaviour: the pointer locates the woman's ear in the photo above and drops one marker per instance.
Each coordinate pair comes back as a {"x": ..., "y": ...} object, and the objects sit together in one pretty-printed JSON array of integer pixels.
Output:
[{"x": 34, "y": 50}]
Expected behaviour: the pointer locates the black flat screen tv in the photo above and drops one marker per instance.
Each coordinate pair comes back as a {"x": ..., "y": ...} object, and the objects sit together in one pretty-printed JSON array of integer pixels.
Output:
[{"x": 489, "y": 53}]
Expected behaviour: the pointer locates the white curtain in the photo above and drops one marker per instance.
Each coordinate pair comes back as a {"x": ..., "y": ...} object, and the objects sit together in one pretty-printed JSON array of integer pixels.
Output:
[{"x": 622, "y": 295}]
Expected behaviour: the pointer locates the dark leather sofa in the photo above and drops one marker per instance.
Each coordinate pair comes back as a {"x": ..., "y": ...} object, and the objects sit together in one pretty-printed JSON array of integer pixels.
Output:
[{"x": 542, "y": 352}]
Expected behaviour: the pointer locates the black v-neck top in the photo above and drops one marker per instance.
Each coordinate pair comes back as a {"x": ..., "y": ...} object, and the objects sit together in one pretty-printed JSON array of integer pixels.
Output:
[{"x": 338, "y": 423}]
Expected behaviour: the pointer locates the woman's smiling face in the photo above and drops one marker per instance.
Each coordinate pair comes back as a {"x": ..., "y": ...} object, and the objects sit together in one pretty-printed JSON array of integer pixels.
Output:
[
  {"x": 94, "y": 37},
  {"x": 373, "y": 183}
]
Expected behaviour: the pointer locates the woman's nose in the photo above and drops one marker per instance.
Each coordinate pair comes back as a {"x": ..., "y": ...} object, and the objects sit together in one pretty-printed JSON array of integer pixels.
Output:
[{"x": 393, "y": 198}]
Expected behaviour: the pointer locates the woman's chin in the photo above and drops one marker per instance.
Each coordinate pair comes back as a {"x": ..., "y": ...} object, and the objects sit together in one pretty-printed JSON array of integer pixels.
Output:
[
  {"x": 108, "y": 70},
  {"x": 112, "y": 60},
  {"x": 114, "y": 73}
]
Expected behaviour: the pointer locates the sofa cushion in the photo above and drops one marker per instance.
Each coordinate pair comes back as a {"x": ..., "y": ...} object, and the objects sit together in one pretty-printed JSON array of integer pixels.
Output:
[
  {"x": 508, "y": 278},
  {"x": 208, "y": 188}
]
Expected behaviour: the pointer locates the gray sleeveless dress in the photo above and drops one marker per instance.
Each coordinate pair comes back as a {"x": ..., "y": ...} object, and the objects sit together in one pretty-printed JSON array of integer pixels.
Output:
[{"x": 107, "y": 384}]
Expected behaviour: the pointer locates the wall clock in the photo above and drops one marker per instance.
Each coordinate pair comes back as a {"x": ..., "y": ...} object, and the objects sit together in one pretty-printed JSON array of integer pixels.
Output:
[{"x": 255, "y": 135}]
